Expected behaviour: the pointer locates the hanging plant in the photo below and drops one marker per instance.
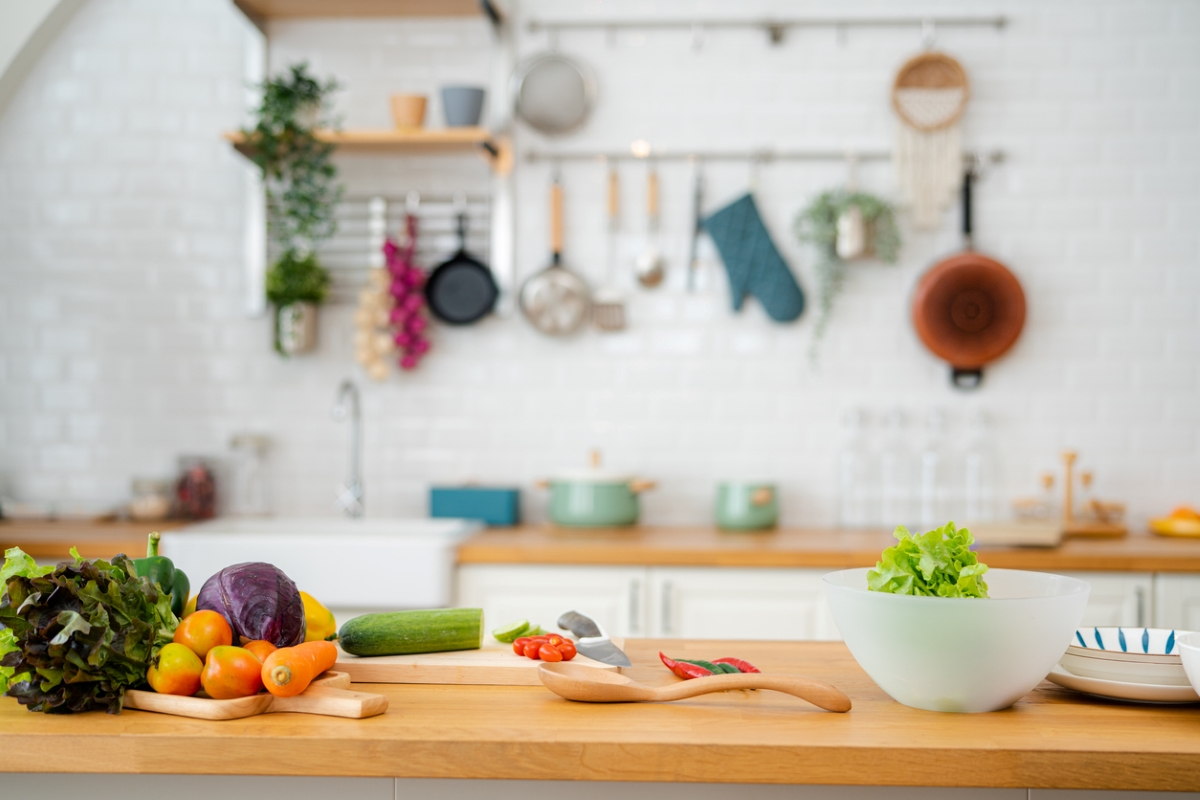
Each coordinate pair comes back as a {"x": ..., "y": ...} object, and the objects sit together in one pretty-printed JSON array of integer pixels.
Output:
[
  {"x": 818, "y": 225},
  {"x": 300, "y": 181}
]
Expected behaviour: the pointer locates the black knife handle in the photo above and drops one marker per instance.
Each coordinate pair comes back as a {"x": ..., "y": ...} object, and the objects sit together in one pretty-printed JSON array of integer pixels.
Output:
[{"x": 578, "y": 624}]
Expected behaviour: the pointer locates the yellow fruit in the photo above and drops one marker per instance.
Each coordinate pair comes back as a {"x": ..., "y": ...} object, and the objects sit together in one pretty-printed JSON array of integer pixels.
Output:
[
  {"x": 1183, "y": 512},
  {"x": 190, "y": 606},
  {"x": 318, "y": 620},
  {"x": 176, "y": 671}
]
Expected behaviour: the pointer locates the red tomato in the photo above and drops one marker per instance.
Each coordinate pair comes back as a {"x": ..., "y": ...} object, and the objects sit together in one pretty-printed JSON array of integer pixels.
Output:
[
  {"x": 521, "y": 640},
  {"x": 519, "y": 647},
  {"x": 531, "y": 650},
  {"x": 554, "y": 640},
  {"x": 567, "y": 648},
  {"x": 549, "y": 652}
]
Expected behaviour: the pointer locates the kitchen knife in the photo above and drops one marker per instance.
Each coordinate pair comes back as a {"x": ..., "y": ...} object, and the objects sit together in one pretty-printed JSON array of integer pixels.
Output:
[{"x": 593, "y": 642}]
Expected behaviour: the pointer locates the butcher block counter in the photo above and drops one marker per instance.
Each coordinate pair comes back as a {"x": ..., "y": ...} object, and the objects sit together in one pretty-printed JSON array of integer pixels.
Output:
[
  {"x": 693, "y": 546},
  {"x": 709, "y": 547},
  {"x": 1051, "y": 739}
]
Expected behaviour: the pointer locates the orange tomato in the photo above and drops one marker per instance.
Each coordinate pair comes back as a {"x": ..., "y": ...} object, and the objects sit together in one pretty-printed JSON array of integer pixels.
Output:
[
  {"x": 176, "y": 670},
  {"x": 261, "y": 648},
  {"x": 1185, "y": 512},
  {"x": 231, "y": 672},
  {"x": 201, "y": 631}
]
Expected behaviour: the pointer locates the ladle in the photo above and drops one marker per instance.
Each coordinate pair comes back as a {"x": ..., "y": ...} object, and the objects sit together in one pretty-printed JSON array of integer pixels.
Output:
[{"x": 591, "y": 685}]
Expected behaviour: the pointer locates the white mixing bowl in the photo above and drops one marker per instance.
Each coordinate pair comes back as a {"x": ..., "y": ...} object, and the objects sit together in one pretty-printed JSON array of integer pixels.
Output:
[{"x": 959, "y": 654}]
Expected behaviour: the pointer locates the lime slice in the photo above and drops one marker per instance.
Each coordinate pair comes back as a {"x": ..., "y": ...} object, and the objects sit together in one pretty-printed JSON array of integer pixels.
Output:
[
  {"x": 509, "y": 633},
  {"x": 533, "y": 630}
]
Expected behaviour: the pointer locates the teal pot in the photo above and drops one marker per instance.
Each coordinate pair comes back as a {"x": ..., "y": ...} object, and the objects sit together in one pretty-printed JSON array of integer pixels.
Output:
[
  {"x": 595, "y": 500},
  {"x": 747, "y": 506}
]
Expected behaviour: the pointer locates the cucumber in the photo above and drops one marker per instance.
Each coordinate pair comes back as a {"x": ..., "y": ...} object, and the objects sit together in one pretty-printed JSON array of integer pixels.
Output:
[{"x": 392, "y": 633}]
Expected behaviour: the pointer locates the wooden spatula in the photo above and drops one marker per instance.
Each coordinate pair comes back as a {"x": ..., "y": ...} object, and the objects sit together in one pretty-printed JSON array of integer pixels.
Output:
[
  {"x": 590, "y": 685},
  {"x": 328, "y": 695}
]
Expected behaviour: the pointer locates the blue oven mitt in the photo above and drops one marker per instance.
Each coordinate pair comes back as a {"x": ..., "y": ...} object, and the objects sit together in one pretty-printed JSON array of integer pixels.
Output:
[{"x": 752, "y": 261}]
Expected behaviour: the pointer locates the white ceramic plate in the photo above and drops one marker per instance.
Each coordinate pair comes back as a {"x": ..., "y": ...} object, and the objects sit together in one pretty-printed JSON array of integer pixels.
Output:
[
  {"x": 1143, "y": 645},
  {"x": 1125, "y": 671},
  {"x": 1119, "y": 690}
]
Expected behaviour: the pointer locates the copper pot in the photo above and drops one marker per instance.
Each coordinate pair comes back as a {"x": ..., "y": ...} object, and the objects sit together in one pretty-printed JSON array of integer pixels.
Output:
[{"x": 968, "y": 309}]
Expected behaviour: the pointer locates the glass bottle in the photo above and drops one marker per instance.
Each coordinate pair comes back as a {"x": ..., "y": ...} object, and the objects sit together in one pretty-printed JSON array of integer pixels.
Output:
[
  {"x": 933, "y": 489},
  {"x": 980, "y": 471},
  {"x": 852, "y": 472},
  {"x": 895, "y": 473}
]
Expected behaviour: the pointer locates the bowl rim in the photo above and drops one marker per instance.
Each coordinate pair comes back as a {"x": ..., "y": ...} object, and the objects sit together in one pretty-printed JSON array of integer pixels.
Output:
[
  {"x": 1088, "y": 651},
  {"x": 1076, "y": 586}
]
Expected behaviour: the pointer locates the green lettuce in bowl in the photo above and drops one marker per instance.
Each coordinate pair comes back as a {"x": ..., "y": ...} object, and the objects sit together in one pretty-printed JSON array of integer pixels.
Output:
[{"x": 938, "y": 563}]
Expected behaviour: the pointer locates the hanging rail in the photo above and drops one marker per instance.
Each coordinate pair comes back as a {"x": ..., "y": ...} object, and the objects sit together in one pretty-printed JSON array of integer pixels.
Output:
[
  {"x": 774, "y": 27},
  {"x": 763, "y": 156}
]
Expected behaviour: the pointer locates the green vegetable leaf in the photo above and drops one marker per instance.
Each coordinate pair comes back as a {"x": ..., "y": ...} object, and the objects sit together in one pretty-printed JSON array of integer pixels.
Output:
[
  {"x": 17, "y": 563},
  {"x": 76, "y": 637},
  {"x": 937, "y": 563}
]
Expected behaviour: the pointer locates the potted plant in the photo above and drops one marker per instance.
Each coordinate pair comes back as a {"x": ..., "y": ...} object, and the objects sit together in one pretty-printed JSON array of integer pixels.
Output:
[
  {"x": 844, "y": 226},
  {"x": 301, "y": 189}
]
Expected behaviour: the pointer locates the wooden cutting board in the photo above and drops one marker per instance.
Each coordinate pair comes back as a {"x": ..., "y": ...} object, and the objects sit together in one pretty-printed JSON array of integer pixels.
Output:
[
  {"x": 491, "y": 665},
  {"x": 328, "y": 695}
]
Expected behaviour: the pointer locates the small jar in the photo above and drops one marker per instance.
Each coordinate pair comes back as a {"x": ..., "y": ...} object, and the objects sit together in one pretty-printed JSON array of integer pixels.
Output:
[
  {"x": 196, "y": 489},
  {"x": 151, "y": 499}
]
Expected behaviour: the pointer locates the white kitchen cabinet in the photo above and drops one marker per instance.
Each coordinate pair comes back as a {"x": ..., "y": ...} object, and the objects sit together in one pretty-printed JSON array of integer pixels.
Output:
[
  {"x": 1177, "y": 602},
  {"x": 615, "y": 597},
  {"x": 730, "y": 603},
  {"x": 1118, "y": 598}
]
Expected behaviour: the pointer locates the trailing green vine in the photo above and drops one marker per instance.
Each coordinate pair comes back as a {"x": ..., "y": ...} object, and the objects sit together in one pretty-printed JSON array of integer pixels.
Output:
[
  {"x": 817, "y": 225},
  {"x": 300, "y": 181}
]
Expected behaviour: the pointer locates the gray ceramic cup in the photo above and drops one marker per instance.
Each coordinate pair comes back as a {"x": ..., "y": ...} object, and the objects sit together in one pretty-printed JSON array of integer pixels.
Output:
[{"x": 462, "y": 105}]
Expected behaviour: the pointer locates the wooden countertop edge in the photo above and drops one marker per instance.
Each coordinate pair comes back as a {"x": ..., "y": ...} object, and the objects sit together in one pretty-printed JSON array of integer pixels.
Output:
[{"x": 688, "y": 763}]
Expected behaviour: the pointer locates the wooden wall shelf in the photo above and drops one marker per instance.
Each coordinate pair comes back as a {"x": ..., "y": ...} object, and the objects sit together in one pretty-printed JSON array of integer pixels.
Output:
[
  {"x": 415, "y": 142},
  {"x": 260, "y": 11}
]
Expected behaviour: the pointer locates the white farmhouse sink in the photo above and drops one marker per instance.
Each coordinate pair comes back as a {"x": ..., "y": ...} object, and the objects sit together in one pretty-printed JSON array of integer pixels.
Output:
[{"x": 347, "y": 564}]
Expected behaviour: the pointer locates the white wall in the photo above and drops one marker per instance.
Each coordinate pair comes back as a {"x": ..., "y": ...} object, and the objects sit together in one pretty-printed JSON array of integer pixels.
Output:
[{"x": 122, "y": 341}]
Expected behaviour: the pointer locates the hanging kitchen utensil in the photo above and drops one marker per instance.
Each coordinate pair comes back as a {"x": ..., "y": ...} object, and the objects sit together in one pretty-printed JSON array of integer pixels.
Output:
[
  {"x": 697, "y": 226},
  {"x": 608, "y": 309},
  {"x": 556, "y": 301},
  {"x": 650, "y": 267},
  {"x": 461, "y": 290},
  {"x": 552, "y": 93},
  {"x": 968, "y": 309},
  {"x": 929, "y": 94}
]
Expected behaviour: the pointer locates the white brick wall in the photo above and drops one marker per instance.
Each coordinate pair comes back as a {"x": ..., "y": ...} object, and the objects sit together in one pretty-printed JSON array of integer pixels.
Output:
[{"x": 122, "y": 342}]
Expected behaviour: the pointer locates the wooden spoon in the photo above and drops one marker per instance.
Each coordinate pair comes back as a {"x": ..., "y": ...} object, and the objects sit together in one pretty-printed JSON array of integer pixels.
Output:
[{"x": 591, "y": 685}]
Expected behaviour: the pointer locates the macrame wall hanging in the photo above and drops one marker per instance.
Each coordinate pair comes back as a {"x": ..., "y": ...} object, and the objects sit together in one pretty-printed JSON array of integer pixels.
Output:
[{"x": 930, "y": 95}]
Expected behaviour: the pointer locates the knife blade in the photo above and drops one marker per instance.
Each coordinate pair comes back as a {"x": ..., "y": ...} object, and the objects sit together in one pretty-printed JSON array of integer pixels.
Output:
[{"x": 593, "y": 642}]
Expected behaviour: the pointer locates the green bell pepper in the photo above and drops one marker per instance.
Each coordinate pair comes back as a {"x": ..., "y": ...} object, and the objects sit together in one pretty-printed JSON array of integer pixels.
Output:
[{"x": 160, "y": 570}]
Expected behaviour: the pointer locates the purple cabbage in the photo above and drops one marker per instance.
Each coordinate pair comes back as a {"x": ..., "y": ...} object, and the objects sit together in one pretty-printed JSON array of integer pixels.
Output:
[{"x": 258, "y": 601}]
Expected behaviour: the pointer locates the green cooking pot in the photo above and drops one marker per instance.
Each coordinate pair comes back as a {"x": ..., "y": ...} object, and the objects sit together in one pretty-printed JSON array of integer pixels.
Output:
[
  {"x": 594, "y": 499},
  {"x": 747, "y": 506}
]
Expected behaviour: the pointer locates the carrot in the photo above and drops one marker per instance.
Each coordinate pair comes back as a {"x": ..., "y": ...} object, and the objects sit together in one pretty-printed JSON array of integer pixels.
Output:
[{"x": 289, "y": 670}]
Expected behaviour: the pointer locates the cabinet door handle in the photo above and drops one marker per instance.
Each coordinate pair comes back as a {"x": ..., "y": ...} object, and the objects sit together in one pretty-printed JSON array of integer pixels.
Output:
[
  {"x": 668, "y": 589},
  {"x": 635, "y": 607},
  {"x": 1139, "y": 595}
]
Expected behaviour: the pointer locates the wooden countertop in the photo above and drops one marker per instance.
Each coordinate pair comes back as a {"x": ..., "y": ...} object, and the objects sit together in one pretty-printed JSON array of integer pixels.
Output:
[
  {"x": 52, "y": 540},
  {"x": 665, "y": 546},
  {"x": 1051, "y": 739},
  {"x": 708, "y": 547}
]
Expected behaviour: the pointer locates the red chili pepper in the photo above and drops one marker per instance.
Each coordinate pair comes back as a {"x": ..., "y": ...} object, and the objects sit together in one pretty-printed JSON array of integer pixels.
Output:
[
  {"x": 684, "y": 669},
  {"x": 742, "y": 666}
]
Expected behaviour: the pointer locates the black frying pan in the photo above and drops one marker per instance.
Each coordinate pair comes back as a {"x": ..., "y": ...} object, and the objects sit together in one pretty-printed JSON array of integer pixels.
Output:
[{"x": 461, "y": 290}]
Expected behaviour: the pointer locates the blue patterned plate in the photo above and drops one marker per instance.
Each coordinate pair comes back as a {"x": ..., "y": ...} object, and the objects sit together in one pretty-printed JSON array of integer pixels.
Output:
[{"x": 1144, "y": 645}]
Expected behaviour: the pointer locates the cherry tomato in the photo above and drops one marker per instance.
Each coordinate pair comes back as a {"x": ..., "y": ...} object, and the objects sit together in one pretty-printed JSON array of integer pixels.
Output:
[
  {"x": 531, "y": 650},
  {"x": 519, "y": 647},
  {"x": 549, "y": 652},
  {"x": 554, "y": 640},
  {"x": 567, "y": 649},
  {"x": 521, "y": 640},
  {"x": 539, "y": 639}
]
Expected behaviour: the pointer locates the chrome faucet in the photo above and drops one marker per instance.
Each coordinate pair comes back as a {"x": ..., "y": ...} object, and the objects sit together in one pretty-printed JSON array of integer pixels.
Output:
[{"x": 350, "y": 494}]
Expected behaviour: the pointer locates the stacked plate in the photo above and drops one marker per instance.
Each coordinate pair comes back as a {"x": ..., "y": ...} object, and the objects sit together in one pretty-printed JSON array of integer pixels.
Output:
[{"x": 1141, "y": 664}]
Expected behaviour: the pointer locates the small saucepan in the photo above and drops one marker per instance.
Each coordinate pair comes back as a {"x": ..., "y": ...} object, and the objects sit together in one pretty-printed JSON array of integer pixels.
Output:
[
  {"x": 594, "y": 498},
  {"x": 746, "y": 506}
]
